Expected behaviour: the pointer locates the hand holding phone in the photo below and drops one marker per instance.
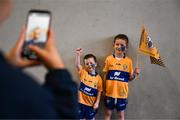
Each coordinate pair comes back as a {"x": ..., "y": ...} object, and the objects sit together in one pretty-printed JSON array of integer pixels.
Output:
[
  {"x": 14, "y": 55},
  {"x": 48, "y": 55},
  {"x": 38, "y": 25}
]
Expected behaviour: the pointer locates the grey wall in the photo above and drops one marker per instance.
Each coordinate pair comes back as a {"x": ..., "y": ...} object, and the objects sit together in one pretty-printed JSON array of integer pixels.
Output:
[{"x": 92, "y": 24}]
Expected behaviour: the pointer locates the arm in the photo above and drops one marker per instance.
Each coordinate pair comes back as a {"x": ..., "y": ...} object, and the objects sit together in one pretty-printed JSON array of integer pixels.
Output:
[
  {"x": 77, "y": 60},
  {"x": 104, "y": 83},
  {"x": 135, "y": 74},
  {"x": 58, "y": 80},
  {"x": 60, "y": 83},
  {"x": 14, "y": 55},
  {"x": 105, "y": 70},
  {"x": 96, "y": 104}
]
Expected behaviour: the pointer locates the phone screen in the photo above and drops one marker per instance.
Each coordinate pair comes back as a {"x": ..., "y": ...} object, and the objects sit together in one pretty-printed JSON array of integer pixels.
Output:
[{"x": 38, "y": 23}]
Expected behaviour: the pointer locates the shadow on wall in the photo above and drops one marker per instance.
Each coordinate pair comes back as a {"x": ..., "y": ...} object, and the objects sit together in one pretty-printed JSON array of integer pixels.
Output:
[
  {"x": 101, "y": 48},
  {"x": 156, "y": 90},
  {"x": 131, "y": 52},
  {"x": 106, "y": 46}
]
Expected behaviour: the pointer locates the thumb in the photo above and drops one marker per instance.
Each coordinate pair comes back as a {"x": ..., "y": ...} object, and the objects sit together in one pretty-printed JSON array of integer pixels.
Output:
[{"x": 39, "y": 51}]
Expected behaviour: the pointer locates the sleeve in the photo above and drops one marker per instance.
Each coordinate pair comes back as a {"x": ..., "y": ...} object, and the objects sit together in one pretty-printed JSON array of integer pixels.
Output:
[
  {"x": 21, "y": 97},
  {"x": 64, "y": 90},
  {"x": 105, "y": 69},
  {"x": 100, "y": 85}
]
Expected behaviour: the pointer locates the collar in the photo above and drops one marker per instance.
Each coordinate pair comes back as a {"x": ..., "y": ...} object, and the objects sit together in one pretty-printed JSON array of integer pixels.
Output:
[
  {"x": 115, "y": 56},
  {"x": 93, "y": 74}
]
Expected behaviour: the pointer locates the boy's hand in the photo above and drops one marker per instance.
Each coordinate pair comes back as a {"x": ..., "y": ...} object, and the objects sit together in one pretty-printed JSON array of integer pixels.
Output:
[
  {"x": 79, "y": 51},
  {"x": 95, "y": 106},
  {"x": 14, "y": 55},
  {"x": 137, "y": 70}
]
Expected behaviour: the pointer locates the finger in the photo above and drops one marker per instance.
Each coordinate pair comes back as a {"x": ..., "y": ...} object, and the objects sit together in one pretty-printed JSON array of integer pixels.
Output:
[
  {"x": 50, "y": 41},
  {"x": 78, "y": 49},
  {"x": 41, "y": 53},
  {"x": 21, "y": 39},
  {"x": 29, "y": 63}
]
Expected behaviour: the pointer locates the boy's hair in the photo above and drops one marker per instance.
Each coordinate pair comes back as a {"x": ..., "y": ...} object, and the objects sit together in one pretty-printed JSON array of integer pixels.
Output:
[
  {"x": 121, "y": 36},
  {"x": 90, "y": 56}
]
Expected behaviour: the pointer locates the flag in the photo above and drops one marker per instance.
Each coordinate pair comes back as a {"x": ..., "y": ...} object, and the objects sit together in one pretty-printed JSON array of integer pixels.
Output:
[
  {"x": 146, "y": 47},
  {"x": 157, "y": 61}
]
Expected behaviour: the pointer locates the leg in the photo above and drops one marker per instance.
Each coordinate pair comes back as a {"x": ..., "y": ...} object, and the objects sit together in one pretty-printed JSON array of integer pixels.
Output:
[
  {"x": 107, "y": 115},
  {"x": 90, "y": 113},
  {"x": 121, "y": 106},
  {"x": 81, "y": 111},
  {"x": 120, "y": 115},
  {"x": 109, "y": 106}
]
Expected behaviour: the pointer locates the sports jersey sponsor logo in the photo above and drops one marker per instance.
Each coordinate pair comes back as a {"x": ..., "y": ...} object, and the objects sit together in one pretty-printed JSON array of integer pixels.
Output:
[
  {"x": 118, "y": 75},
  {"x": 87, "y": 90},
  {"x": 117, "y": 78}
]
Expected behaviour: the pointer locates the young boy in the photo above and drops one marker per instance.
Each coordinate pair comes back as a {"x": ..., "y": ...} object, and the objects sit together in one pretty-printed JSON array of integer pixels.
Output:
[
  {"x": 90, "y": 86},
  {"x": 118, "y": 71}
]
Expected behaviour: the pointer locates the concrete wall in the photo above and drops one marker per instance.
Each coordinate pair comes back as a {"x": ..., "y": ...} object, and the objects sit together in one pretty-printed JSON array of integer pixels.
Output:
[{"x": 92, "y": 24}]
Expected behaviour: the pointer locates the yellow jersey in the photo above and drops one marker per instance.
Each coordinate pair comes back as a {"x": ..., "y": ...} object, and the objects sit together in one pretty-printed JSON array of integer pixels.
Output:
[
  {"x": 117, "y": 76},
  {"x": 89, "y": 87}
]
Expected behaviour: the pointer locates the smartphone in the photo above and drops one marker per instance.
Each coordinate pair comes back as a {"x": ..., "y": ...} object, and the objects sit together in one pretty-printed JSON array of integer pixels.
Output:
[{"x": 37, "y": 26}]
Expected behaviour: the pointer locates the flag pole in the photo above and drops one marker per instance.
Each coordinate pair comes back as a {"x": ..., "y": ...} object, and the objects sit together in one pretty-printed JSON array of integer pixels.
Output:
[
  {"x": 137, "y": 59},
  {"x": 140, "y": 43}
]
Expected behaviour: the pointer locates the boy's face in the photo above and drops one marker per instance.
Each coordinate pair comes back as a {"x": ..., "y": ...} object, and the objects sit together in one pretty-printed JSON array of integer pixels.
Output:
[
  {"x": 118, "y": 46},
  {"x": 37, "y": 32},
  {"x": 90, "y": 64}
]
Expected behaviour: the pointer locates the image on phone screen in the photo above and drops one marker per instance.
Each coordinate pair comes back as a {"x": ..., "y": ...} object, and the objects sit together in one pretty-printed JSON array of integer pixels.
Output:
[{"x": 38, "y": 23}]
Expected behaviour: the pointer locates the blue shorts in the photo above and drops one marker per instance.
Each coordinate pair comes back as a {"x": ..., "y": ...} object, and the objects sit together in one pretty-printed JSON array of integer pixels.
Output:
[
  {"x": 86, "y": 112},
  {"x": 115, "y": 103}
]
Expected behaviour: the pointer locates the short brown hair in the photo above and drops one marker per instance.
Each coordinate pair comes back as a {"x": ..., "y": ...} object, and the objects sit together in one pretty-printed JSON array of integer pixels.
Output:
[
  {"x": 90, "y": 56},
  {"x": 121, "y": 36}
]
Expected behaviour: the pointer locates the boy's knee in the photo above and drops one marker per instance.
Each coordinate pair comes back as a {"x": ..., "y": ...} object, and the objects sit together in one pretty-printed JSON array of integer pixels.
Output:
[
  {"x": 120, "y": 115},
  {"x": 108, "y": 113}
]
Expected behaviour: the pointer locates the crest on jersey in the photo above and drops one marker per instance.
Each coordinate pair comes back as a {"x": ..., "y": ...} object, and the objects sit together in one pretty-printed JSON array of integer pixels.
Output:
[{"x": 125, "y": 67}]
